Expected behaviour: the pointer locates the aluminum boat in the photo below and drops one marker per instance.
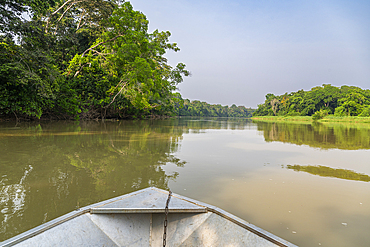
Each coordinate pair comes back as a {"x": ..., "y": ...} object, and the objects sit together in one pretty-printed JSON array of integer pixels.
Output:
[{"x": 137, "y": 219}]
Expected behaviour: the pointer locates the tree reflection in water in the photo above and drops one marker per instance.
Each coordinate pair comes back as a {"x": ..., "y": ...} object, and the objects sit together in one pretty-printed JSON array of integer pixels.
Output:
[
  {"x": 325, "y": 171},
  {"x": 50, "y": 169},
  {"x": 324, "y": 136}
]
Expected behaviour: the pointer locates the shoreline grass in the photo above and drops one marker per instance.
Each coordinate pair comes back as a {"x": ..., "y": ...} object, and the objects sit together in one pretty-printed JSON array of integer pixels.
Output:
[{"x": 308, "y": 119}]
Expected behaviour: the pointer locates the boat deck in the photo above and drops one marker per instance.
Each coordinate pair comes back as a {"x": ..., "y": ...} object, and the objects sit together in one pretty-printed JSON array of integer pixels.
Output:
[{"x": 136, "y": 219}]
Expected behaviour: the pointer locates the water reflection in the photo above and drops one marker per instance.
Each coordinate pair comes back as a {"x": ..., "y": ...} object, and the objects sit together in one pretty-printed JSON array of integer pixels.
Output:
[
  {"x": 324, "y": 136},
  {"x": 325, "y": 171},
  {"x": 50, "y": 169}
]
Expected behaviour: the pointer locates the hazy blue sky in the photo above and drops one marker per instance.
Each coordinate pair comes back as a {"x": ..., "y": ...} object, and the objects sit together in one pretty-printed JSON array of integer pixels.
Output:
[{"x": 238, "y": 51}]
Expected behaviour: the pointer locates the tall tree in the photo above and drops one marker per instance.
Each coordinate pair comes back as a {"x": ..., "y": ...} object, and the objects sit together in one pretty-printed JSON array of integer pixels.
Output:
[
  {"x": 132, "y": 60},
  {"x": 93, "y": 57}
]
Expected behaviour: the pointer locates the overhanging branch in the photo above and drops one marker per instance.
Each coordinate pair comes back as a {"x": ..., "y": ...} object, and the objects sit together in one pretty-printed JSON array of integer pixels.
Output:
[{"x": 103, "y": 42}]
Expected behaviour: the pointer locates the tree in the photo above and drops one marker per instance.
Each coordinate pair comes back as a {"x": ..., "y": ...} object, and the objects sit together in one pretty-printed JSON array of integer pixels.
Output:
[
  {"x": 27, "y": 73},
  {"x": 132, "y": 61},
  {"x": 351, "y": 104},
  {"x": 319, "y": 101},
  {"x": 10, "y": 14},
  {"x": 88, "y": 58}
]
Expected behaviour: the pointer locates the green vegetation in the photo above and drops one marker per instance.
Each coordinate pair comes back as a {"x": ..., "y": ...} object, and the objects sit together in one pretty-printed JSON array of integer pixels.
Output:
[
  {"x": 84, "y": 59},
  {"x": 309, "y": 119},
  {"x": 325, "y": 171},
  {"x": 319, "y": 102},
  {"x": 300, "y": 119},
  {"x": 203, "y": 109},
  {"x": 331, "y": 118}
]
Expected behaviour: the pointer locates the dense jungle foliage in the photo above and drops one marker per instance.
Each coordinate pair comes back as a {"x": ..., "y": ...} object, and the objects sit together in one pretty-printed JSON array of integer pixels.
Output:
[
  {"x": 84, "y": 59},
  {"x": 203, "y": 109},
  {"x": 318, "y": 102}
]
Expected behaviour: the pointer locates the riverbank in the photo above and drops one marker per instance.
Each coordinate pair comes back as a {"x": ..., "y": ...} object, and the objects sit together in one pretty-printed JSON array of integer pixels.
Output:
[{"x": 308, "y": 119}]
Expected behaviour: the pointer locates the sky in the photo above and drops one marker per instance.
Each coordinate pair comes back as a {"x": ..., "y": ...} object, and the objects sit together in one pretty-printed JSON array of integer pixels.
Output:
[{"x": 239, "y": 50}]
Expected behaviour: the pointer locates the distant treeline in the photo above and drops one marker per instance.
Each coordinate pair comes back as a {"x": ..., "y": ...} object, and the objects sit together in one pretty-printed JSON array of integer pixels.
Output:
[
  {"x": 319, "y": 101},
  {"x": 203, "y": 109}
]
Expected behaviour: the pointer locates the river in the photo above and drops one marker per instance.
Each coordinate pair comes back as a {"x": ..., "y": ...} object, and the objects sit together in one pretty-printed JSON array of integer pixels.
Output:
[{"x": 306, "y": 183}]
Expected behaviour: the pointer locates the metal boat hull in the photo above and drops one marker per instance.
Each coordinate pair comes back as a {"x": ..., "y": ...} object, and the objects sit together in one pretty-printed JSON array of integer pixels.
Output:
[{"x": 136, "y": 219}]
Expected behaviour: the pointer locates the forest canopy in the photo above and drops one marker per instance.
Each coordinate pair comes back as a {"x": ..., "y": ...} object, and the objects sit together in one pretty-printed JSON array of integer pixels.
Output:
[
  {"x": 84, "y": 59},
  {"x": 317, "y": 102}
]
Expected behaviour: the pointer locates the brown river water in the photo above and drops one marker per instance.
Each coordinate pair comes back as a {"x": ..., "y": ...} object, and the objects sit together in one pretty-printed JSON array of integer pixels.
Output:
[{"x": 306, "y": 183}]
